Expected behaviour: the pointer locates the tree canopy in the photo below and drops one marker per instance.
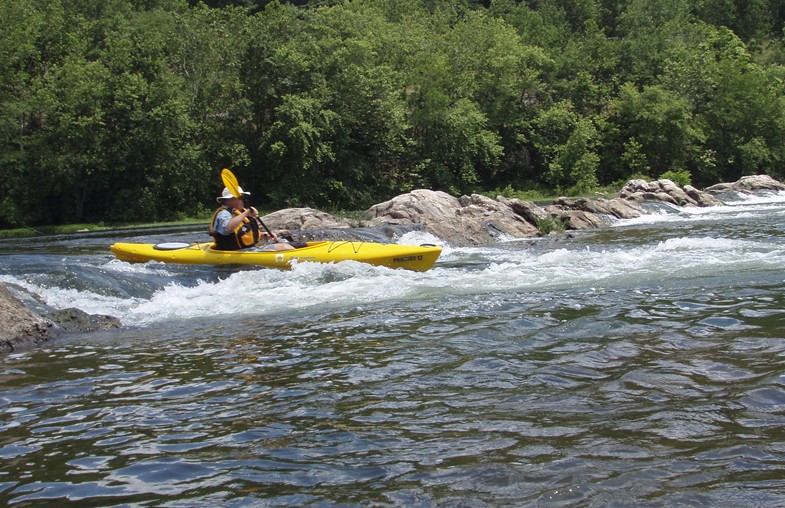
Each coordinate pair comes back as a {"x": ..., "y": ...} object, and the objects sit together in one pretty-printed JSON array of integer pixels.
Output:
[{"x": 123, "y": 110}]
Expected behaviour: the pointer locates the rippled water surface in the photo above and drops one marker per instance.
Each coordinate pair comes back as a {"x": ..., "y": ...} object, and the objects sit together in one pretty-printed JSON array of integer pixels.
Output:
[{"x": 641, "y": 364}]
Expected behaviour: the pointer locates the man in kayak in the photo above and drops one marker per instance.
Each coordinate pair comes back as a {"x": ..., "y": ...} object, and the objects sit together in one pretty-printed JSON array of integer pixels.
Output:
[{"x": 235, "y": 227}]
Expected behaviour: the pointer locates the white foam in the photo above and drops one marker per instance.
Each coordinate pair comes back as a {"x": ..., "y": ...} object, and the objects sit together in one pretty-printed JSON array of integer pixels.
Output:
[
  {"x": 347, "y": 284},
  {"x": 746, "y": 206},
  {"x": 419, "y": 238},
  {"x": 268, "y": 291}
]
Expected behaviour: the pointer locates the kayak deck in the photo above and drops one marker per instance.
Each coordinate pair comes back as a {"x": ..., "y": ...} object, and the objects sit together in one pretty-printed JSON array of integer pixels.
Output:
[{"x": 410, "y": 257}]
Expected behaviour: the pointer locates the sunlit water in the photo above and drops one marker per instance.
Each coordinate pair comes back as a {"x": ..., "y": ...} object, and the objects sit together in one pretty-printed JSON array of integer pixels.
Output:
[{"x": 639, "y": 364}]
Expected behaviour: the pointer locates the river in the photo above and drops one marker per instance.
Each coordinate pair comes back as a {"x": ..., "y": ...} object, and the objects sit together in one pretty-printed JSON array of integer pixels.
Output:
[{"x": 639, "y": 364}]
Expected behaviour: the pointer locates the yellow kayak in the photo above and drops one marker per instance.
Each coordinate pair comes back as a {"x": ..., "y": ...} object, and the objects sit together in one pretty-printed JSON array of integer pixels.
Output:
[{"x": 410, "y": 257}]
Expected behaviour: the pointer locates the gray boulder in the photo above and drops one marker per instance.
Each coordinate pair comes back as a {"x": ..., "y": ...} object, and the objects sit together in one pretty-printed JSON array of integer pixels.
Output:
[
  {"x": 618, "y": 208},
  {"x": 19, "y": 326},
  {"x": 303, "y": 218},
  {"x": 416, "y": 207},
  {"x": 530, "y": 211},
  {"x": 583, "y": 213},
  {"x": 748, "y": 185},
  {"x": 468, "y": 220},
  {"x": 702, "y": 198},
  {"x": 667, "y": 192},
  {"x": 478, "y": 220}
]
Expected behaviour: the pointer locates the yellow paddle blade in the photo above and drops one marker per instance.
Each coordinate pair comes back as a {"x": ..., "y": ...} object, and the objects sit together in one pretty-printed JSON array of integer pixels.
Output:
[{"x": 230, "y": 181}]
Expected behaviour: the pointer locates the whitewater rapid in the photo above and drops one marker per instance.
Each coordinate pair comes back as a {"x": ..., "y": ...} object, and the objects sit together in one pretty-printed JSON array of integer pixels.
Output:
[{"x": 155, "y": 292}]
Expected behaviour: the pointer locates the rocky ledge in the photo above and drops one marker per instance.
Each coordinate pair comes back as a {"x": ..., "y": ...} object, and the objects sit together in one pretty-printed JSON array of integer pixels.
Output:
[
  {"x": 460, "y": 221},
  {"x": 480, "y": 220}
]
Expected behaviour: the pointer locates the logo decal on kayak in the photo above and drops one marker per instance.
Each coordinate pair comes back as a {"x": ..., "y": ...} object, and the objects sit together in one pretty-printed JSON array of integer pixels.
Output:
[
  {"x": 279, "y": 258},
  {"x": 407, "y": 259}
]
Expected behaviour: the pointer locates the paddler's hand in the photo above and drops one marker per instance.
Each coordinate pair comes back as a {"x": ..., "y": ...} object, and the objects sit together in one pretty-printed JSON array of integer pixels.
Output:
[
  {"x": 252, "y": 212},
  {"x": 268, "y": 236}
]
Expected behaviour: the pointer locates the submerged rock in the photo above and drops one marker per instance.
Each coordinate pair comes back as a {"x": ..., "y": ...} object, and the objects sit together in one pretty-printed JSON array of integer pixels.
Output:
[{"x": 75, "y": 320}]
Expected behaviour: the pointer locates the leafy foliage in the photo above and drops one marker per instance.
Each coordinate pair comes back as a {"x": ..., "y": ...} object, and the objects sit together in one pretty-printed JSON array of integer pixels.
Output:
[
  {"x": 680, "y": 178},
  {"x": 127, "y": 109}
]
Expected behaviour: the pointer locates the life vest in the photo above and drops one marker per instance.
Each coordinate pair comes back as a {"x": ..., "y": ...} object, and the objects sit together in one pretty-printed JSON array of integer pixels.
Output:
[{"x": 245, "y": 235}]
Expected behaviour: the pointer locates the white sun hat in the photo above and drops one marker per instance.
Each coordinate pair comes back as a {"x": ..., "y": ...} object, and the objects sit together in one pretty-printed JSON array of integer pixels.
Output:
[{"x": 228, "y": 195}]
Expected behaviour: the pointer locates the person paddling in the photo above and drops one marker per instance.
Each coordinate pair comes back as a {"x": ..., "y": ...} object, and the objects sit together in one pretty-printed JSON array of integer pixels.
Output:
[{"x": 235, "y": 227}]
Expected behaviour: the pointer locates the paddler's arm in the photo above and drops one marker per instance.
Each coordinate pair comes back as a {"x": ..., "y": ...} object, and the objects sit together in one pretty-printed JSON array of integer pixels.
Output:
[{"x": 238, "y": 219}]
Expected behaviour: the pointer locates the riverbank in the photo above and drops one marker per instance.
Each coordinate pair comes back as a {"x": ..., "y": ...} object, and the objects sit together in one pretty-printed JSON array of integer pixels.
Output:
[{"x": 87, "y": 227}]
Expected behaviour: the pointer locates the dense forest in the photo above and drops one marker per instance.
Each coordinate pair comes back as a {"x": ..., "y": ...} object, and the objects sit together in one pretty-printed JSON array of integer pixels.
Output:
[{"x": 120, "y": 110}]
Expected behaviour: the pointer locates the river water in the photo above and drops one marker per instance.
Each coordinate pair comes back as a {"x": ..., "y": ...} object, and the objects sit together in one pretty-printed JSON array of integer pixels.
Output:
[{"x": 639, "y": 364}]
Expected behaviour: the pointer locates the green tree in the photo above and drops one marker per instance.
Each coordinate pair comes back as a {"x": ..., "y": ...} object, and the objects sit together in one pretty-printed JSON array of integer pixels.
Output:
[
  {"x": 18, "y": 52},
  {"x": 368, "y": 96},
  {"x": 567, "y": 143},
  {"x": 126, "y": 109},
  {"x": 505, "y": 78},
  {"x": 68, "y": 152},
  {"x": 455, "y": 146},
  {"x": 658, "y": 131},
  {"x": 735, "y": 102},
  {"x": 152, "y": 151},
  {"x": 285, "y": 91},
  {"x": 208, "y": 56},
  {"x": 647, "y": 31},
  {"x": 300, "y": 147},
  {"x": 33, "y": 39},
  {"x": 546, "y": 26}
]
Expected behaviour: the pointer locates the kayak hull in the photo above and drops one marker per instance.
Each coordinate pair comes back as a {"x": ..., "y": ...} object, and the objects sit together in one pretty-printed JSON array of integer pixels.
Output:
[{"x": 410, "y": 257}]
